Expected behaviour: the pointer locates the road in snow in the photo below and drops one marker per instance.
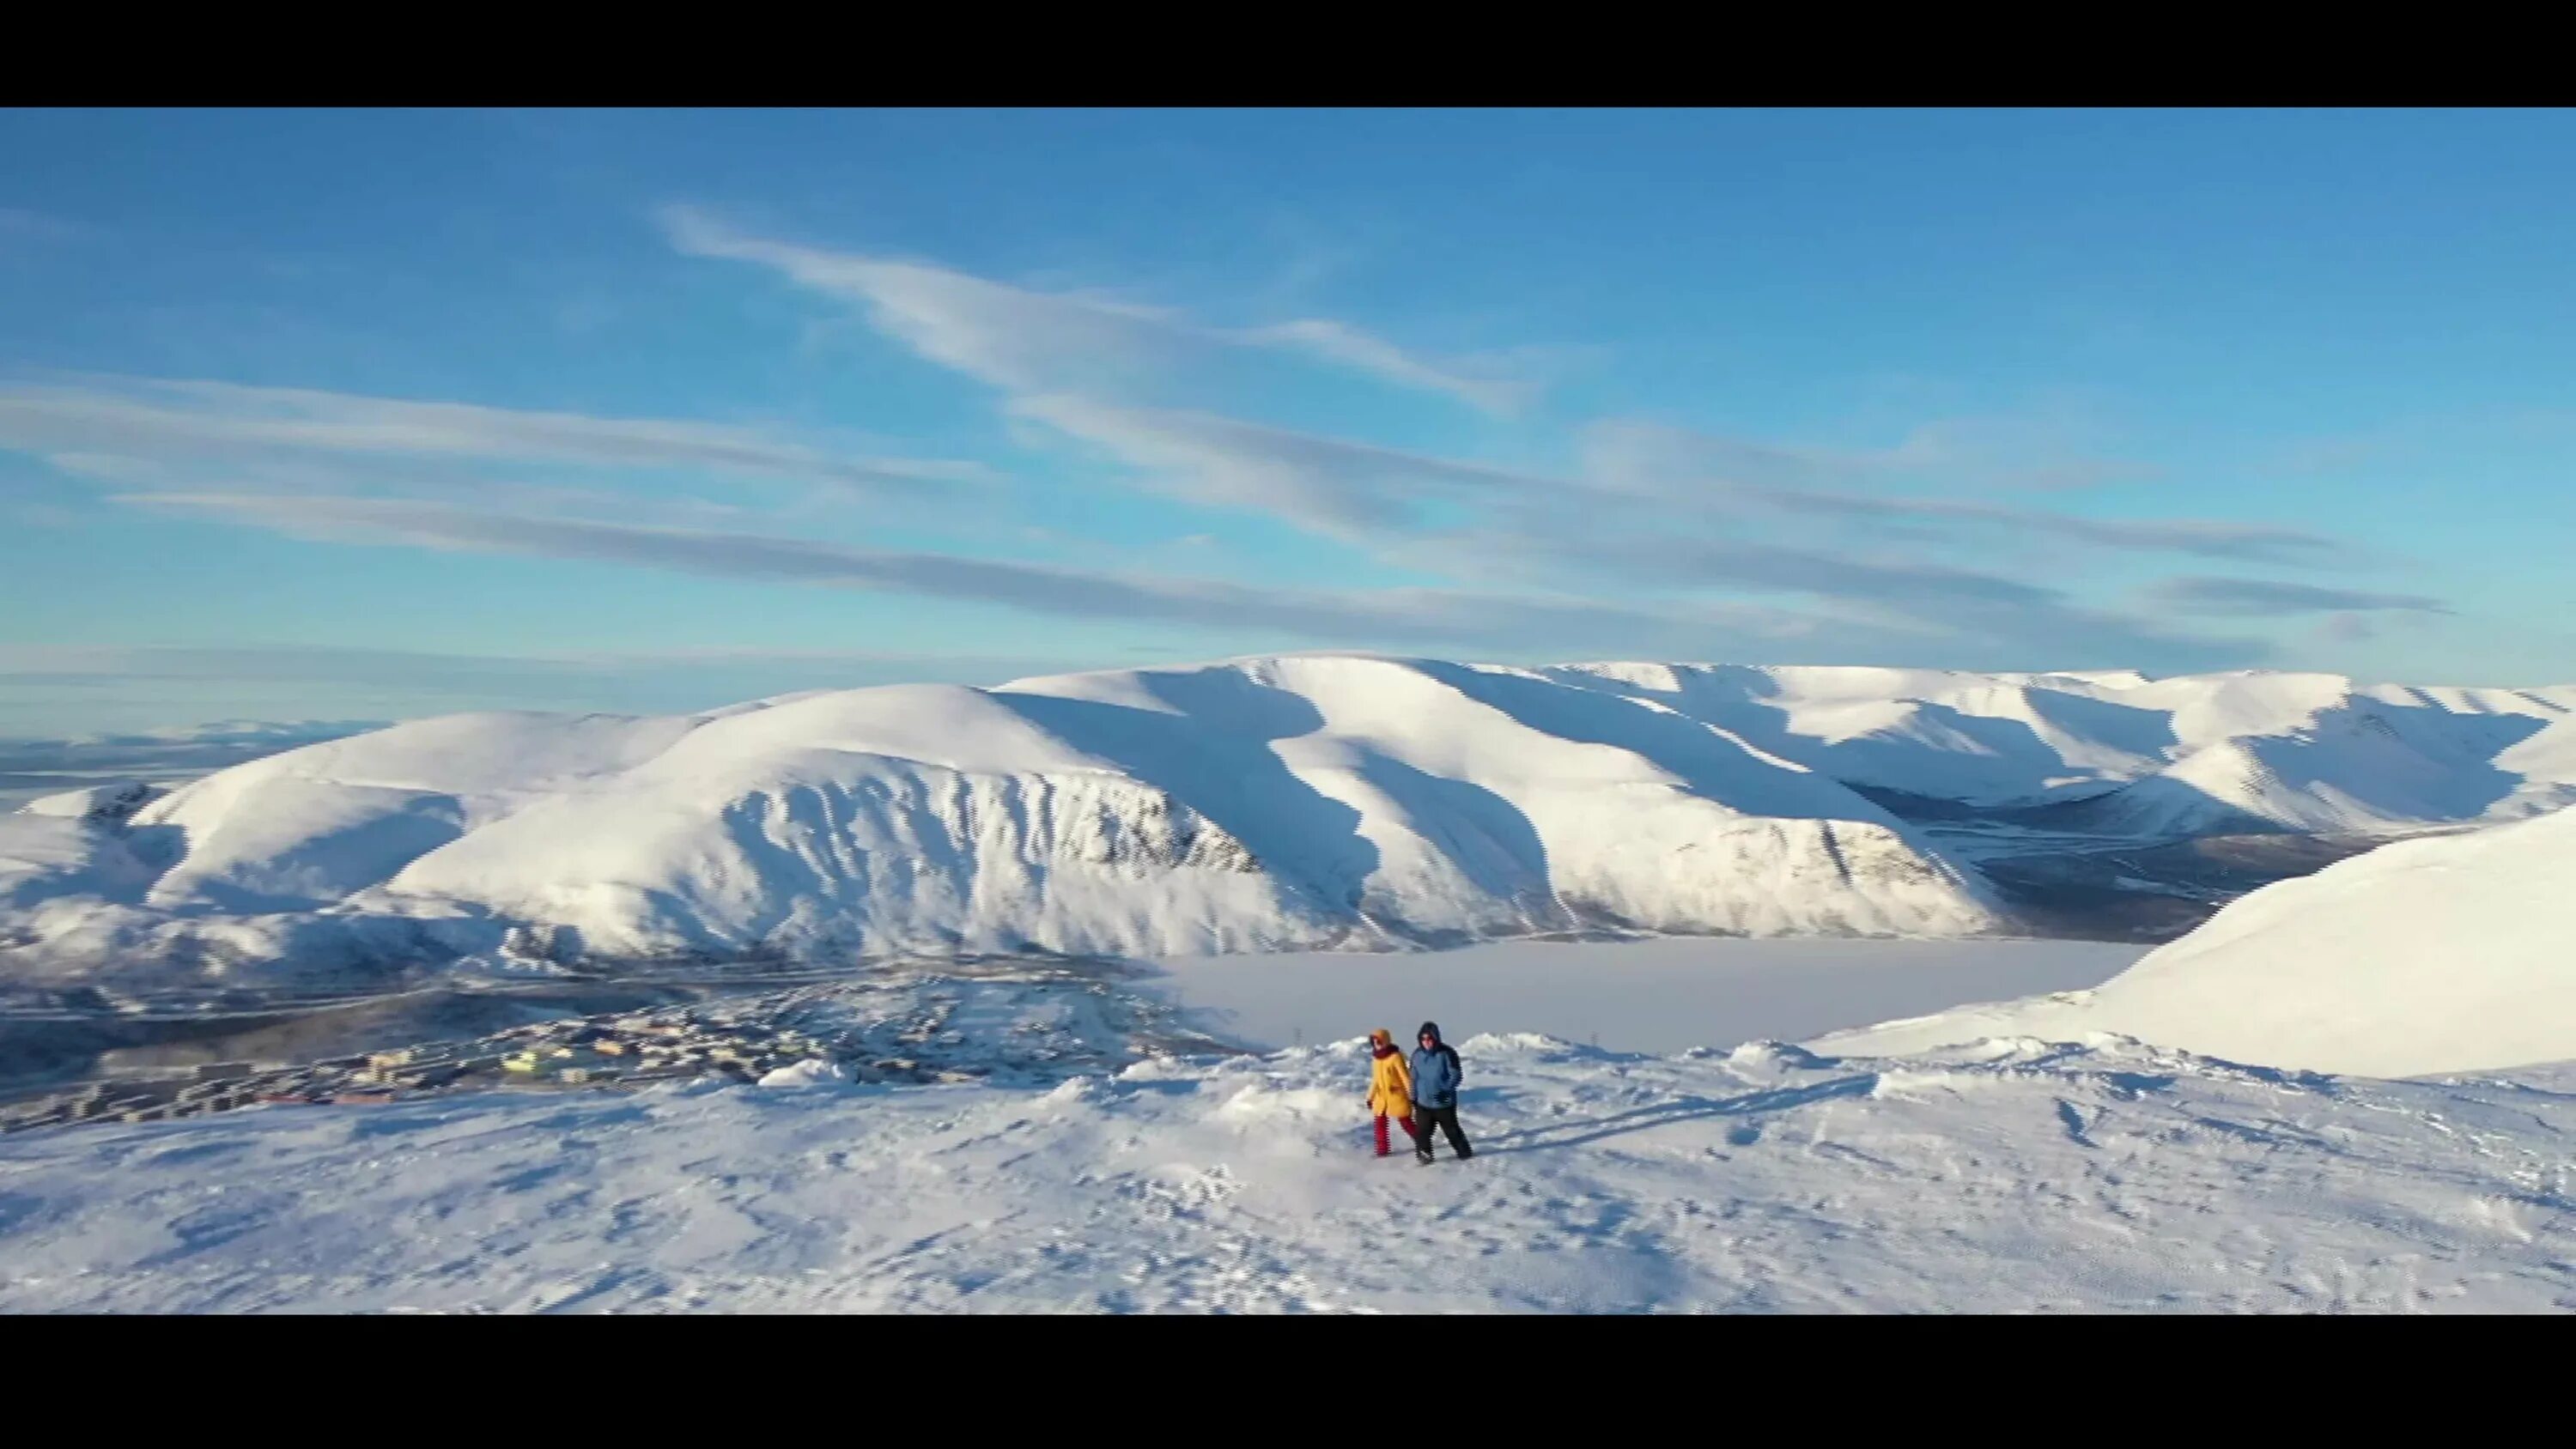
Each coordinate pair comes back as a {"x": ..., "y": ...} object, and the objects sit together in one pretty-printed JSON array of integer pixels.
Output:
[{"x": 1663, "y": 995}]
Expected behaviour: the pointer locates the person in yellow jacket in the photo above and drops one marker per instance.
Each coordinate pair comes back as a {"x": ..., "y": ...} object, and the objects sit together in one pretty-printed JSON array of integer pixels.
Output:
[{"x": 1390, "y": 1086}]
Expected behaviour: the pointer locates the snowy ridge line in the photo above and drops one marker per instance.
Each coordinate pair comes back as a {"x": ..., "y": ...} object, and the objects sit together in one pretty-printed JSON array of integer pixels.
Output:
[
  {"x": 2185, "y": 755},
  {"x": 1299, "y": 803}
]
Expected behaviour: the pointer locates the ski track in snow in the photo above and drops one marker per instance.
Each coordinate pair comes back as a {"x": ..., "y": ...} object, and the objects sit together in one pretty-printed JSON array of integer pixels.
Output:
[{"x": 2010, "y": 1176}]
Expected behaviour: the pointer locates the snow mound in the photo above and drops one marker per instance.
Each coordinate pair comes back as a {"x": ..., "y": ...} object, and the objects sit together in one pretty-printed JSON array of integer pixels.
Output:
[
  {"x": 1267, "y": 804},
  {"x": 812, "y": 1072},
  {"x": 2450, "y": 954}
]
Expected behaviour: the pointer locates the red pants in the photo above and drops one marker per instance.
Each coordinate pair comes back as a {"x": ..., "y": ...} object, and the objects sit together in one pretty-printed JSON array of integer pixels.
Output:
[{"x": 1404, "y": 1122}]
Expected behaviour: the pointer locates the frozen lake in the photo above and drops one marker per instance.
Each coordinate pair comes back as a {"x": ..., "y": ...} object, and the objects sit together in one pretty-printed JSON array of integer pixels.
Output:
[{"x": 1657, "y": 996}]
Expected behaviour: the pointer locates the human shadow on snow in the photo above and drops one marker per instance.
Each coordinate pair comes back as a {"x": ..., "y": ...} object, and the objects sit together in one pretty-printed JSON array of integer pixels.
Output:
[{"x": 1664, "y": 1114}]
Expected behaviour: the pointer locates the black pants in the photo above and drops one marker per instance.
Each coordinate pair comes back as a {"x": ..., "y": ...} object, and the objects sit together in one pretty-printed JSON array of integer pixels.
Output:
[{"x": 1446, "y": 1118}]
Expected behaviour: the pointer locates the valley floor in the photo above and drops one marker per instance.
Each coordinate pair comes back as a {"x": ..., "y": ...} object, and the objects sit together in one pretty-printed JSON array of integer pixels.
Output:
[{"x": 2012, "y": 1177}]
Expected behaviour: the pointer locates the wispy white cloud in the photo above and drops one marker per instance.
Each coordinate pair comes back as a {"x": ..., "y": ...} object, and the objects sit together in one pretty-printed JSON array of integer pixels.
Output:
[
  {"x": 1592, "y": 536},
  {"x": 1648, "y": 509},
  {"x": 1514, "y": 624},
  {"x": 1656, "y": 463},
  {"x": 2002, "y": 616},
  {"x": 1421, "y": 613},
  {"x": 1340, "y": 342},
  {"x": 2204, "y": 537},
  {"x": 1032, "y": 341},
  {"x": 2256, "y": 598},
  {"x": 1331, "y": 485},
  {"x": 116, "y": 426},
  {"x": 2034, "y": 453}
]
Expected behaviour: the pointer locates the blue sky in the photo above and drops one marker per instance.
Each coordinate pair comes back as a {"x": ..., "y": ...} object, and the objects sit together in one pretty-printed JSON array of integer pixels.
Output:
[{"x": 341, "y": 415}]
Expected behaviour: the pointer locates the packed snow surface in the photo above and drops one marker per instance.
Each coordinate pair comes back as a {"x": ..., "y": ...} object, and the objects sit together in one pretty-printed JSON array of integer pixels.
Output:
[
  {"x": 2451, "y": 954},
  {"x": 2014, "y": 1176}
]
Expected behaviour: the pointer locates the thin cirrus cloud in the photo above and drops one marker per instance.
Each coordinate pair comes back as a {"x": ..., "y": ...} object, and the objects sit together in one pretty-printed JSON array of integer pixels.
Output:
[
  {"x": 1329, "y": 485},
  {"x": 1976, "y": 615},
  {"x": 2206, "y": 538},
  {"x": 1649, "y": 462},
  {"x": 1048, "y": 349},
  {"x": 2258, "y": 598},
  {"x": 1029, "y": 341},
  {"x": 1686, "y": 561},
  {"x": 2009, "y": 452},
  {"x": 1450, "y": 617},
  {"x": 105, "y": 427}
]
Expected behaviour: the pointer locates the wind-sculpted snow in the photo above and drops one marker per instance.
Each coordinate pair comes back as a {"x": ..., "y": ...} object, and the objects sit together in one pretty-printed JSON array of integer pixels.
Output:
[
  {"x": 2012, "y": 1176},
  {"x": 2450, "y": 954},
  {"x": 1258, "y": 805}
]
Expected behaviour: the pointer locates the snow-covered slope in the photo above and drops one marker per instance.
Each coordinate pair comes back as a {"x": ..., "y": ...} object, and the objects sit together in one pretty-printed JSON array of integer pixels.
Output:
[
  {"x": 2114, "y": 751},
  {"x": 2442, "y": 955},
  {"x": 1298, "y": 802},
  {"x": 2102, "y": 1177}
]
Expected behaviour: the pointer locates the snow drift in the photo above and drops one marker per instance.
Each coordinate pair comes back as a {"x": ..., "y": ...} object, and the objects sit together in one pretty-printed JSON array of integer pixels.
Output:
[
  {"x": 1265, "y": 804},
  {"x": 2453, "y": 954}
]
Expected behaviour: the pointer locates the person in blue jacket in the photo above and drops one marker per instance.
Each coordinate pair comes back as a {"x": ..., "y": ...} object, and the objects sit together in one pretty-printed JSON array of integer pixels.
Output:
[{"x": 1436, "y": 1075}]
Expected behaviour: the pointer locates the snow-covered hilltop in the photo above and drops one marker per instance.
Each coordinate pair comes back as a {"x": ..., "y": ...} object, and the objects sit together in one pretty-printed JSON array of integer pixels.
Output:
[
  {"x": 2455, "y": 954},
  {"x": 1265, "y": 804}
]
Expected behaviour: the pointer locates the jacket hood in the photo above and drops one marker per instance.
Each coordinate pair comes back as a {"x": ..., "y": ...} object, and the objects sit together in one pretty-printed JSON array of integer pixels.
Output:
[{"x": 1430, "y": 1029}]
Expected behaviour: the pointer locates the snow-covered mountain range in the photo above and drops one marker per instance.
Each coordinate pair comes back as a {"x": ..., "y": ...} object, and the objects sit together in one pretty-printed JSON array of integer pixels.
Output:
[{"x": 1264, "y": 804}]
